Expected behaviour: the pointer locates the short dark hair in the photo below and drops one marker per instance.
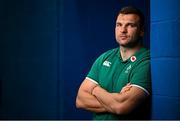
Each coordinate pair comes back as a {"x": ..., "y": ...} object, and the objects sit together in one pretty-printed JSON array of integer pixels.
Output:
[{"x": 133, "y": 10}]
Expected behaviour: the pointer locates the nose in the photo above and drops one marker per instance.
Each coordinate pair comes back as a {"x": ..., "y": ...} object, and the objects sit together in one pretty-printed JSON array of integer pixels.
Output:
[{"x": 123, "y": 29}]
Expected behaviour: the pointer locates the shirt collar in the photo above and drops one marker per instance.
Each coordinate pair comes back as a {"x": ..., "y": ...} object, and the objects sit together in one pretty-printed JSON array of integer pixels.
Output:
[{"x": 136, "y": 55}]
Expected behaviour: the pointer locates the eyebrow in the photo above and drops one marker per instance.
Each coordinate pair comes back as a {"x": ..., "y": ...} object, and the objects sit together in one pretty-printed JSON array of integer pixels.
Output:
[{"x": 126, "y": 23}]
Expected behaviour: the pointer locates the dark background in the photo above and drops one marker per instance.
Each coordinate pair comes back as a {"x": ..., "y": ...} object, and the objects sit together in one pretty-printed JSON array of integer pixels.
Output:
[{"x": 47, "y": 47}]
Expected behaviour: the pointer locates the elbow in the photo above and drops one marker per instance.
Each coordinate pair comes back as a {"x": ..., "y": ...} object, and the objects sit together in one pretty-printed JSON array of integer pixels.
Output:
[
  {"x": 78, "y": 103},
  {"x": 121, "y": 110}
]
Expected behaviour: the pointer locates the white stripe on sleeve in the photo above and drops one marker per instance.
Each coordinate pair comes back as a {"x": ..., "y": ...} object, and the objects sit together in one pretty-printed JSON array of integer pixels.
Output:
[
  {"x": 141, "y": 88},
  {"x": 91, "y": 80}
]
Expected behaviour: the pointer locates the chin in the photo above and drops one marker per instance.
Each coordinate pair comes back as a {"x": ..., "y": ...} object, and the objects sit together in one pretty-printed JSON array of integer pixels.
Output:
[{"x": 123, "y": 44}]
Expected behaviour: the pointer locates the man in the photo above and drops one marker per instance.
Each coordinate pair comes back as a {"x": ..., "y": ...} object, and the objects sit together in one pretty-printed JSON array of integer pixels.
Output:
[{"x": 119, "y": 80}]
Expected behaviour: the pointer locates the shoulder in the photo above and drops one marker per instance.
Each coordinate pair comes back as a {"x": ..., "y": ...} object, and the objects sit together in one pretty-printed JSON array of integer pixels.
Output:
[
  {"x": 109, "y": 53},
  {"x": 145, "y": 54}
]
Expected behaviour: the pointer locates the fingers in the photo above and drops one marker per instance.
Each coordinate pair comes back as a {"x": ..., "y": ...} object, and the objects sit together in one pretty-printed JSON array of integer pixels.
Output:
[{"x": 126, "y": 88}]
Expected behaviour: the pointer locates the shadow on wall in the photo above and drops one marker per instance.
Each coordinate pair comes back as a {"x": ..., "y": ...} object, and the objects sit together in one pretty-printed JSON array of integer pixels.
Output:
[{"x": 0, "y": 93}]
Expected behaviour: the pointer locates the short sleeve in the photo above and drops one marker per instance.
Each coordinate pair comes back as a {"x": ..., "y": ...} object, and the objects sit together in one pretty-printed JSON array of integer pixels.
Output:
[
  {"x": 94, "y": 71},
  {"x": 141, "y": 76}
]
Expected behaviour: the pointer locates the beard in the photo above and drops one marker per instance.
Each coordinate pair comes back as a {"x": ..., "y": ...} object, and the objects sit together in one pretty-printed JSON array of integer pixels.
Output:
[{"x": 132, "y": 44}]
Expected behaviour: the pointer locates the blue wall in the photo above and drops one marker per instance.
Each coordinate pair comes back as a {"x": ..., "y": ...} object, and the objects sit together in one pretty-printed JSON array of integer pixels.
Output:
[
  {"x": 165, "y": 55},
  {"x": 29, "y": 59},
  {"x": 47, "y": 48}
]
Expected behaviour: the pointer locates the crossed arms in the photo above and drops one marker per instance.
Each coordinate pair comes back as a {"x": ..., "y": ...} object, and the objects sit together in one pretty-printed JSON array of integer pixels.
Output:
[{"x": 96, "y": 99}]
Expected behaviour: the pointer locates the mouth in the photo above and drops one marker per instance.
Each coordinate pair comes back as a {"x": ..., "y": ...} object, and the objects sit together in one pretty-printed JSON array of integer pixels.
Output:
[{"x": 123, "y": 37}]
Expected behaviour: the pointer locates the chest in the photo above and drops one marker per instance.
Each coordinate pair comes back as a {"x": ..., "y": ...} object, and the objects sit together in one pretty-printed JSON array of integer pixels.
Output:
[{"x": 114, "y": 75}]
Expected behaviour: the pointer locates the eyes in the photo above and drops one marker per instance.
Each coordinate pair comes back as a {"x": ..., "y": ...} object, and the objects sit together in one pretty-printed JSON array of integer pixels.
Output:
[{"x": 130, "y": 25}]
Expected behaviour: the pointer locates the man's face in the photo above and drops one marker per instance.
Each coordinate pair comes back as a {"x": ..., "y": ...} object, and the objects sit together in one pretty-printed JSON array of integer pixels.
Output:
[{"x": 128, "y": 30}]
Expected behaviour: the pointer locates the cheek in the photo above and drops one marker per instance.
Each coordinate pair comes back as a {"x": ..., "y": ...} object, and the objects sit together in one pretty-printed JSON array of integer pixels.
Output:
[
  {"x": 116, "y": 32},
  {"x": 134, "y": 34}
]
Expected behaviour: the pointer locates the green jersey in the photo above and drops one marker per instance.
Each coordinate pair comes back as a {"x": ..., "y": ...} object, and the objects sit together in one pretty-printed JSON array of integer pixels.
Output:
[{"x": 112, "y": 74}]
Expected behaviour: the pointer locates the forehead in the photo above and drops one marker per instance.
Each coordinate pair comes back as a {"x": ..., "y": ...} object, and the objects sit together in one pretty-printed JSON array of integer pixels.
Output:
[{"x": 128, "y": 18}]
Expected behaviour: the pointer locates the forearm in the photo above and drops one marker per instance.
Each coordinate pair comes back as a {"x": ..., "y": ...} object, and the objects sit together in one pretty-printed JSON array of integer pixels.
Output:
[
  {"x": 97, "y": 110},
  {"x": 110, "y": 101},
  {"x": 120, "y": 103},
  {"x": 87, "y": 101}
]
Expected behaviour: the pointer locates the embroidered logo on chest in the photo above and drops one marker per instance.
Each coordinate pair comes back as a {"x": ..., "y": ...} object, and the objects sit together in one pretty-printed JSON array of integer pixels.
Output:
[
  {"x": 127, "y": 69},
  {"x": 107, "y": 63}
]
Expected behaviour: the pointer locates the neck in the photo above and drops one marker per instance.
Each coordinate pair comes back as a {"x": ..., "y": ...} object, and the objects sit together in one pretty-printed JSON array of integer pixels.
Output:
[{"x": 128, "y": 52}]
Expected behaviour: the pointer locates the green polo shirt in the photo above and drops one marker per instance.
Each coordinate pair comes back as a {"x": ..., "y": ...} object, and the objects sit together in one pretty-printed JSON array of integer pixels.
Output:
[{"x": 112, "y": 74}]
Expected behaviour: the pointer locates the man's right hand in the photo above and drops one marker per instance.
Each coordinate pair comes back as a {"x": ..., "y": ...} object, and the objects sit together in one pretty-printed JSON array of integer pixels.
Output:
[{"x": 126, "y": 88}]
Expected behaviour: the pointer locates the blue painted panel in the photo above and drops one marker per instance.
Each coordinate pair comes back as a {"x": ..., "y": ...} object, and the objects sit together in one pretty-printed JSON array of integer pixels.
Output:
[
  {"x": 165, "y": 108},
  {"x": 165, "y": 39},
  {"x": 165, "y": 76},
  {"x": 165, "y": 53},
  {"x": 164, "y": 10}
]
